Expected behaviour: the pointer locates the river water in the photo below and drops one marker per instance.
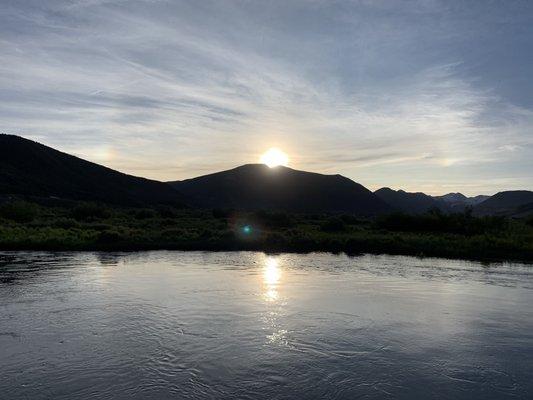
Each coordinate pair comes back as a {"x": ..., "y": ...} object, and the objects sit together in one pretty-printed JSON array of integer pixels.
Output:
[{"x": 201, "y": 325}]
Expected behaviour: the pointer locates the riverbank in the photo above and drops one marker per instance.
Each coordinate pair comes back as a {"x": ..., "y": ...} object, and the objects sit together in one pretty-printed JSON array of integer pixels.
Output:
[{"x": 85, "y": 226}]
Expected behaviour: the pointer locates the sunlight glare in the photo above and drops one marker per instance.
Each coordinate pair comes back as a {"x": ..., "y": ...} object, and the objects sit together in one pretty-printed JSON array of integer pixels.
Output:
[
  {"x": 272, "y": 272},
  {"x": 271, "y": 278},
  {"x": 274, "y": 157}
]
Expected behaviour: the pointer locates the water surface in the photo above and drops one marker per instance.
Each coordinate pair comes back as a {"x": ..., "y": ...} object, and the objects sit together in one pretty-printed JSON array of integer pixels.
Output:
[{"x": 201, "y": 325}]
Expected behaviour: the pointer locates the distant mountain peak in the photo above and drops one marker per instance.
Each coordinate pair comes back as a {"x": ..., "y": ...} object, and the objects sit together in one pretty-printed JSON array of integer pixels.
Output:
[
  {"x": 452, "y": 197},
  {"x": 407, "y": 202}
]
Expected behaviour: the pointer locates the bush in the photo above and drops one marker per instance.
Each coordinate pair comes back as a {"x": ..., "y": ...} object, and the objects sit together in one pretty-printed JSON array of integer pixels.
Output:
[
  {"x": 220, "y": 213},
  {"x": 275, "y": 239},
  {"x": 144, "y": 213},
  {"x": 97, "y": 226},
  {"x": 109, "y": 236},
  {"x": 65, "y": 223},
  {"x": 437, "y": 222},
  {"x": 275, "y": 219},
  {"x": 19, "y": 211},
  {"x": 173, "y": 234},
  {"x": 333, "y": 224},
  {"x": 227, "y": 235},
  {"x": 351, "y": 219},
  {"x": 167, "y": 212},
  {"x": 87, "y": 211}
]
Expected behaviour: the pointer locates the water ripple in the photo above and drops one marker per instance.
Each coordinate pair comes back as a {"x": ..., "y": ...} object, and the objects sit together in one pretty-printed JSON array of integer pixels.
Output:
[{"x": 200, "y": 325}]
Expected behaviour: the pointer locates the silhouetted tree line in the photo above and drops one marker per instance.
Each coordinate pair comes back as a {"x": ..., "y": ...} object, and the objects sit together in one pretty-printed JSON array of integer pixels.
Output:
[
  {"x": 436, "y": 221},
  {"x": 89, "y": 226}
]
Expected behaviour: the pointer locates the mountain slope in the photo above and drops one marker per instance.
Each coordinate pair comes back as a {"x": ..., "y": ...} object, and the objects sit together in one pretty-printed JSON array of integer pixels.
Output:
[
  {"x": 452, "y": 198},
  {"x": 256, "y": 186},
  {"x": 30, "y": 168},
  {"x": 458, "y": 202},
  {"x": 473, "y": 201},
  {"x": 505, "y": 203},
  {"x": 411, "y": 203}
]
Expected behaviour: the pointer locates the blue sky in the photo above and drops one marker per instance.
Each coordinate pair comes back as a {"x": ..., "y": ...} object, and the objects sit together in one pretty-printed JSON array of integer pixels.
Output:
[{"x": 433, "y": 96}]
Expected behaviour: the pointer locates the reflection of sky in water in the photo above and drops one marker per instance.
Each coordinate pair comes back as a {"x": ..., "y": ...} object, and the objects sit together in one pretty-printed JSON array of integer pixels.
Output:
[{"x": 248, "y": 325}]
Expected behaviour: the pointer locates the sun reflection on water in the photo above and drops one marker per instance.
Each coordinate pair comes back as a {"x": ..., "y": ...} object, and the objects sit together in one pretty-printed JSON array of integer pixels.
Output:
[
  {"x": 271, "y": 278},
  {"x": 272, "y": 272}
]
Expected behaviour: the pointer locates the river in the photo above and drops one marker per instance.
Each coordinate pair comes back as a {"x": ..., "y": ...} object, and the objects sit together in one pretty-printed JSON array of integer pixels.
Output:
[{"x": 202, "y": 325}]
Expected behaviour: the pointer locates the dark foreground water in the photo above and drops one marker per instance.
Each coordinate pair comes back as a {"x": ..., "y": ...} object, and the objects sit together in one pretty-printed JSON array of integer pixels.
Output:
[{"x": 160, "y": 325}]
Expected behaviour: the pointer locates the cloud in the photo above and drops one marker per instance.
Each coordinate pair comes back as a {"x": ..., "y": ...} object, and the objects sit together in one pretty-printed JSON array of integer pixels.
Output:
[{"x": 375, "y": 90}]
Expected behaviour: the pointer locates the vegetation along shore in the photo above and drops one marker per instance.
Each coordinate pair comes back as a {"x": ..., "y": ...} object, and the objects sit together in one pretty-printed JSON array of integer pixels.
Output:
[{"x": 26, "y": 225}]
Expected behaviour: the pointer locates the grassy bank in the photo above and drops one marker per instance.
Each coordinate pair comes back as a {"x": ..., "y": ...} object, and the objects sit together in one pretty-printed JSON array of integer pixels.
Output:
[{"x": 87, "y": 226}]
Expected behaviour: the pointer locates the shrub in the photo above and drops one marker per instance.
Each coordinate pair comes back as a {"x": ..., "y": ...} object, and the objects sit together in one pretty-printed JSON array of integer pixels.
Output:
[
  {"x": 168, "y": 222},
  {"x": 227, "y": 235},
  {"x": 19, "y": 211},
  {"x": 436, "y": 221},
  {"x": 333, "y": 224},
  {"x": 87, "y": 211},
  {"x": 206, "y": 233},
  {"x": 98, "y": 226},
  {"x": 274, "y": 238},
  {"x": 220, "y": 213},
  {"x": 166, "y": 212},
  {"x": 173, "y": 234},
  {"x": 351, "y": 219},
  {"x": 109, "y": 236},
  {"x": 275, "y": 219},
  {"x": 144, "y": 213},
  {"x": 65, "y": 223}
]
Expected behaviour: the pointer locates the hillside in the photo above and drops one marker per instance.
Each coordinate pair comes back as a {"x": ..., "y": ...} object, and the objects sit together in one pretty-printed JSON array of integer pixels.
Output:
[
  {"x": 410, "y": 203},
  {"x": 458, "y": 202},
  {"x": 452, "y": 198},
  {"x": 507, "y": 203},
  {"x": 29, "y": 168},
  {"x": 256, "y": 186}
]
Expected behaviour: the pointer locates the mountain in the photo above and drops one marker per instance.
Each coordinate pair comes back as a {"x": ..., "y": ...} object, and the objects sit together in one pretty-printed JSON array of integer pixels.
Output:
[
  {"x": 525, "y": 210},
  {"x": 410, "y": 203},
  {"x": 507, "y": 203},
  {"x": 473, "y": 201},
  {"x": 32, "y": 169},
  {"x": 256, "y": 186},
  {"x": 417, "y": 203},
  {"x": 458, "y": 202},
  {"x": 452, "y": 198}
]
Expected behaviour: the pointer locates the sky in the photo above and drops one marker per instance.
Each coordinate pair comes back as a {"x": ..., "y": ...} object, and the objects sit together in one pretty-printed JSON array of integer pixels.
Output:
[{"x": 425, "y": 95}]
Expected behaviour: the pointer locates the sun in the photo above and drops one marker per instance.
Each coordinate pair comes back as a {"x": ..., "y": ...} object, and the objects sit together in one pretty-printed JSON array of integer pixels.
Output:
[{"x": 274, "y": 157}]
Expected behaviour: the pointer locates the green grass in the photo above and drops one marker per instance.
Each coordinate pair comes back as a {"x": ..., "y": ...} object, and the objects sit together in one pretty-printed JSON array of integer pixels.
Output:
[{"x": 89, "y": 226}]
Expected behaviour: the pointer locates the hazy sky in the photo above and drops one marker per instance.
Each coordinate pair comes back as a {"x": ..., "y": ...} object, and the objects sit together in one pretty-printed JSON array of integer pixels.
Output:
[{"x": 432, "y": 96}]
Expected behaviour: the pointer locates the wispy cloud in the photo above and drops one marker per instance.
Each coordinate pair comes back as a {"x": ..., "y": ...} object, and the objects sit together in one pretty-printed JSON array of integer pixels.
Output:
[{"x": 173, "y": 89}]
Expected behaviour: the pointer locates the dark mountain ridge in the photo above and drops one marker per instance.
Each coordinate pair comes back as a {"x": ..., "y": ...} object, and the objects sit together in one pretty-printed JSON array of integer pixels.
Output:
[
  {"x": 458, "y": 202},
  {"x": 452, "y": 198},
  {"x": 410, "y": 203},
  {"x": 508, "y": 203},
  {"x": 256, "y": 186},
  {"x": 29, "y": 168}
]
